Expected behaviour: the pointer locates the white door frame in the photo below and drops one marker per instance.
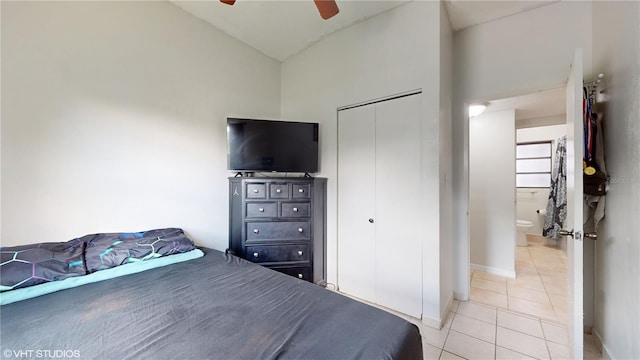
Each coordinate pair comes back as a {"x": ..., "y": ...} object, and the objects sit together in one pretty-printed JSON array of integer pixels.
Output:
[{"x": 465, "y": 225}]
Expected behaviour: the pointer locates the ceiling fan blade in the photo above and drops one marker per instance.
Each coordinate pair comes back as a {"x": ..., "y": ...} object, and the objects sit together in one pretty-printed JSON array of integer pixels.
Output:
[
  {"x": 327, "y": 8},
  {"x": 228, "y": 2}
]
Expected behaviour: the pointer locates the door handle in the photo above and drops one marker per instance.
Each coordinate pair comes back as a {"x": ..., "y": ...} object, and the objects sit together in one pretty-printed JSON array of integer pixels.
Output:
[
  {"x": 577, "y": 235},
  {"x": 566, "y": 232},
  {"x": 591, "y": 235}
]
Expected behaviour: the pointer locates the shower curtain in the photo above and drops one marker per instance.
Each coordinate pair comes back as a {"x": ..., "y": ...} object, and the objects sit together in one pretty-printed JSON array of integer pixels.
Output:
[{"x": 557, "y": 203}]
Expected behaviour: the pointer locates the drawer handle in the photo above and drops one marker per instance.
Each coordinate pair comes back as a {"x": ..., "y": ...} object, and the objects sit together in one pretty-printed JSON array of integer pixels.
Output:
[
  {"x": 256, "y": 231},
  {"x": 255, "y": 191},
  {"x": 300, "y": 190},
  {"x": 300, "y": 230},
  {"x": 278, "y": 190},
  {"x": 295, "y": 209},
  {"x": 255, "y": 255},
  {"x": 299, "y": 252},
  {"x": 299, "y": 276},
  {"x": 261, "y": 209}
]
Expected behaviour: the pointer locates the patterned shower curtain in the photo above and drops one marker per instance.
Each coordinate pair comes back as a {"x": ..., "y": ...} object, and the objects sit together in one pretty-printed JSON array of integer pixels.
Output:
[{"x": 557, "y": 203}]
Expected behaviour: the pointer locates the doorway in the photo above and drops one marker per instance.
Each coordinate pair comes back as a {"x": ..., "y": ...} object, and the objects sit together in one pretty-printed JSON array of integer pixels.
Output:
[
  {"x": 529, "y": 279},
  {"x": 573, "y": 228}
]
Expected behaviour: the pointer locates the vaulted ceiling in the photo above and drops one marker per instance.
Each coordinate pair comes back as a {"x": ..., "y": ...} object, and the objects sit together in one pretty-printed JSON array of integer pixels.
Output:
[
  {"x": 283, "y": 28},
  {"x": 280, "y": 28}
]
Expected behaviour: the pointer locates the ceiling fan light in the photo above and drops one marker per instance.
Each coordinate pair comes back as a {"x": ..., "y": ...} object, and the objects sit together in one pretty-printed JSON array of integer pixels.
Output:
[{"x": 327, "y": 8}]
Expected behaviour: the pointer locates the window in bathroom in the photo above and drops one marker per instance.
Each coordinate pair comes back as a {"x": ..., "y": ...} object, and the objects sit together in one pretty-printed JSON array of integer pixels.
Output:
[{"x": 533, "y": 164}]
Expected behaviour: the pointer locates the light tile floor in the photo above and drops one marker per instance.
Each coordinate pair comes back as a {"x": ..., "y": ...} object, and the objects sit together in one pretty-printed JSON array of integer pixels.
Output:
[
  {"x": 540, "y": 286},
  {"x": 479, "y": 331},
  {"x": 522, "y": 318}
]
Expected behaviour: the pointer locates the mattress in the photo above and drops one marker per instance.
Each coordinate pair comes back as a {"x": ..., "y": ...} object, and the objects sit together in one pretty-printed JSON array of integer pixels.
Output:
[{"x": 214, "y": 307}]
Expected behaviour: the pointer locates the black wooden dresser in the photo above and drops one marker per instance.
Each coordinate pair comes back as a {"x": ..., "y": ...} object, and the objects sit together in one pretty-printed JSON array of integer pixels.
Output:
[{"x": 280, "y": 223}]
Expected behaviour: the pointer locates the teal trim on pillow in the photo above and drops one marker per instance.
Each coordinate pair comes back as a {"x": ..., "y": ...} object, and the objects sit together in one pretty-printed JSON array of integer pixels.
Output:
[{"x": 12, "y": 296}]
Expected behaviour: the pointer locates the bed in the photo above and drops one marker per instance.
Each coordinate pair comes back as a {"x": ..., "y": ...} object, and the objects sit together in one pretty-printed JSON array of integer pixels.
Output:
[{"x": 214, "y": 307}]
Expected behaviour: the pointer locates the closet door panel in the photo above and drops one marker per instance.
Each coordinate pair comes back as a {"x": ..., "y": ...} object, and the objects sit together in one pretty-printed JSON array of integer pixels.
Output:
[
  {"x": 399, "y": 233},
  {"x": 356, "y": 202}
]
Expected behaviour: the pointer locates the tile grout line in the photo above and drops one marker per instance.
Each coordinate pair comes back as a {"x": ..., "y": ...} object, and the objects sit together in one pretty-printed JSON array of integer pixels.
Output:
[
  {"x": 495, "y": 341},
  {"x": 546, "y": 342},
  {"x": 544, "y": 271},
  {"x": 544, "y": 285},
  {"x": 537, "y": 319},
  {"x": 448, "y": 332}
]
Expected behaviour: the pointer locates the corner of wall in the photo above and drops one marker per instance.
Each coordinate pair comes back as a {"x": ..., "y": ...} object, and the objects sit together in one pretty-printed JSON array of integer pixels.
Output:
[{"x": 446, "y": 162}]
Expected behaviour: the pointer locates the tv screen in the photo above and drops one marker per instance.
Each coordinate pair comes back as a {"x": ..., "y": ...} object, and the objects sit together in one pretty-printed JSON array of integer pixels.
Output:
[{"x": 269, "y": 145}]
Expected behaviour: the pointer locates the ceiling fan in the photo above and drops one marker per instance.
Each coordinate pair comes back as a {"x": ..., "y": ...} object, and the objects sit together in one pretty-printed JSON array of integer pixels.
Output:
[{"x": 327, "y": 8}]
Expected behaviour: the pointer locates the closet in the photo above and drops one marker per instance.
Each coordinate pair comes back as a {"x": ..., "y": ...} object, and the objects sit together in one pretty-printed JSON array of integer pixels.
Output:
[{"x": 380, "y": 234}]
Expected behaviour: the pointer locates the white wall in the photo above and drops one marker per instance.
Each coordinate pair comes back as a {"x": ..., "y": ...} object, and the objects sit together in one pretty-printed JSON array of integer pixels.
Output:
[
  {"x": 446, "y": 162},
  {"x": 511, "y": 56},
  {"x": 616, "y": 34},
  {"x": 531, "y": 199},
  {"x": 492, "y": 187},
  {"x": 391, "y": 53},
  {"x": 541, "y": 121},
  {"x": 114, "y": 119}
]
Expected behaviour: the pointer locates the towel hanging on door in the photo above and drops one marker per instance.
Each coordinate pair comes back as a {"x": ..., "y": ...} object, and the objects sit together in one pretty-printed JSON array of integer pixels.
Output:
[{"x": 557, "y": 203}]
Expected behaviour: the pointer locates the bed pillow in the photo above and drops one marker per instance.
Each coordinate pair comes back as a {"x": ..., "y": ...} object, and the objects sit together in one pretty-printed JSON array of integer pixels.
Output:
[
  {"x": 104, "y": 251},
  {"x": 27, "y": 265}
]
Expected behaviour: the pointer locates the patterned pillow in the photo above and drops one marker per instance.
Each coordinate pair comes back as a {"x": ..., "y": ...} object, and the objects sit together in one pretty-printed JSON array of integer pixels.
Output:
[
  {"x": 27, "y": 265},
  {"x": 104, "y": 251}
]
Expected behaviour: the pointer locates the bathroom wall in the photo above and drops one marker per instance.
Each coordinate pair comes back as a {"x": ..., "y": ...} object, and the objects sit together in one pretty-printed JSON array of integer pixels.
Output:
[
  {"x": 492, "y": 183},
  {"x": 492, "y": 188},
  {"x": 528, "y": 200}
]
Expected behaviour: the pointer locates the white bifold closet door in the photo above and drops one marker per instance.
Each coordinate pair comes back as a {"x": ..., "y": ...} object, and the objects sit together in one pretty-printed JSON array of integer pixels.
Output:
[{"x": 380, "y": 234}]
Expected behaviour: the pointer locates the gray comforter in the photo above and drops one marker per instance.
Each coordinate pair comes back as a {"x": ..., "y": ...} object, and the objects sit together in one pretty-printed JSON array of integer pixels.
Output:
[{"x": 214, "y": 307}]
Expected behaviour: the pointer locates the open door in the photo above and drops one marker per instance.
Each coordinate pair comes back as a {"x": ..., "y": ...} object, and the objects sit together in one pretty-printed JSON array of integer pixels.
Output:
[{"x": 575, "y": 146}]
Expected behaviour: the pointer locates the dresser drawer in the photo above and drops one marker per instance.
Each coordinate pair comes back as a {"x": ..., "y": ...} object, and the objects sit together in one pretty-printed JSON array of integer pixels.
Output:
[
  {"x": 303, "y": 273},
  {"x": 256, "y": 191},
  {"x": 262, "y": 210},
  {"x": 277, "y": 253},
  {"x": 286, "y": 230},
  {"x": 295, "y": 209},
  {"x": 279, "y": 190},
  {"x": 301, "y": 191}
]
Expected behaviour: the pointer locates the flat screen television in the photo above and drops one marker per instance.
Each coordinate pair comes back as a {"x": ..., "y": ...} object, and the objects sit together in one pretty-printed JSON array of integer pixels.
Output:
[{"x": 271, "y": 146}]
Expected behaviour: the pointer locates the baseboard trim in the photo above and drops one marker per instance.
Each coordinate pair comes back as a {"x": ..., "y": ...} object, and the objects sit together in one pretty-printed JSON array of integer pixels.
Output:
[
  {"x": 601, "y": 346},
  {"x": 461, "y": 296},
  {"x": 432, "y": 323},
  {"x": 494, "y": 271},
  {"x": 439, "y": 324},
  {"x": 446, "y": 310}
]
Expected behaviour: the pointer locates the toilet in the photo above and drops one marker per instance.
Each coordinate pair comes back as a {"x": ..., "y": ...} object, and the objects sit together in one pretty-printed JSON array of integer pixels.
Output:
[{"x": 522, "y": 226}]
